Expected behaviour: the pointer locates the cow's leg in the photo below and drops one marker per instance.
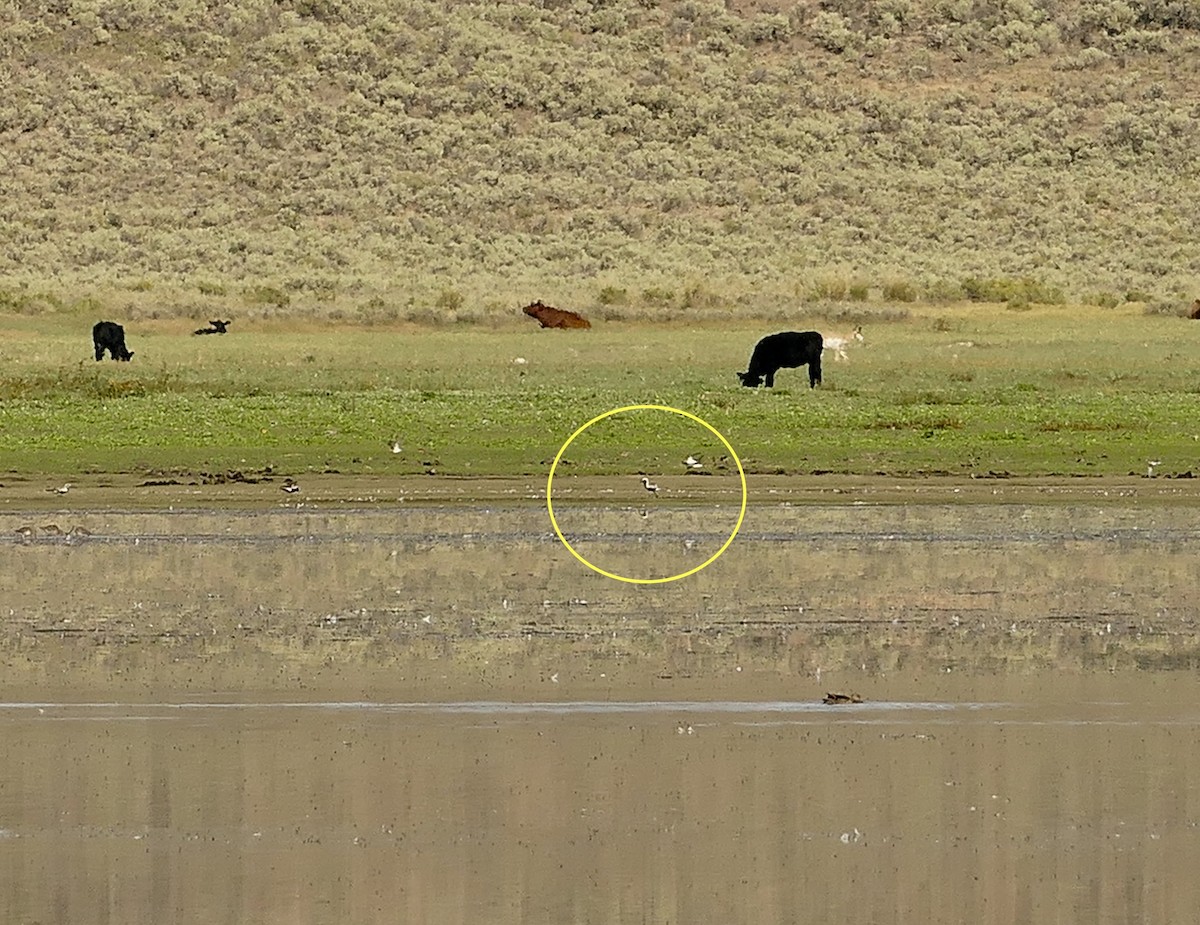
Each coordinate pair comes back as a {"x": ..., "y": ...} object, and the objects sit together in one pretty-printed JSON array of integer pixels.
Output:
[
  {"x": 814, "y": 373},
  {"x": 771, "y": 379},
  {"x": 99, "y": 352}
]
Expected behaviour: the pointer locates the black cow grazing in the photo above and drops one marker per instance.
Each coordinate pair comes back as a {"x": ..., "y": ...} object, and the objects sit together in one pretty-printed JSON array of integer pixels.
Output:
[
  {"x": 787, "y": 349},
  {"x": 110, "y": 336},
  {"x": 218, "y": 327}
]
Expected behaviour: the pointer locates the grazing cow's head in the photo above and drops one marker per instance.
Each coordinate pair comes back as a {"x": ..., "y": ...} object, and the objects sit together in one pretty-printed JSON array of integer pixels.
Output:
[{"x": 750, "y": 381}]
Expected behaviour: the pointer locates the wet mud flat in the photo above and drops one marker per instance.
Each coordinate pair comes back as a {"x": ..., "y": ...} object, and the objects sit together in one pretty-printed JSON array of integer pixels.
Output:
[{"x": 456, "y": 598}]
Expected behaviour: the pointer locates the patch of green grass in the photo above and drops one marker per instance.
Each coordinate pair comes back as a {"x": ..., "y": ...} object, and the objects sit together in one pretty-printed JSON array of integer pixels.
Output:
[{"x": 1046, "y": 391}]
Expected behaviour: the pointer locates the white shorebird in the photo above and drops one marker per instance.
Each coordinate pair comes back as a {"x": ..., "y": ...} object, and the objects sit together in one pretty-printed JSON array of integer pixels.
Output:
[
  {"x": 1151, "y": 465},
  {"x": 291, "y": 487},
  {"x": 396, "y": 447},
  {"x": 62, "y": 490},
  {"x": 693, "y": 463},
  {"x": 649, "y": 486}
]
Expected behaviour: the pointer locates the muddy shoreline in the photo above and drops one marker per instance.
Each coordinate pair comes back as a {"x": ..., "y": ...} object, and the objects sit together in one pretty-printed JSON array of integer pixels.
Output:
[
  {"x": 442, "y": 590},
  {"x": 258, "y": 490}
]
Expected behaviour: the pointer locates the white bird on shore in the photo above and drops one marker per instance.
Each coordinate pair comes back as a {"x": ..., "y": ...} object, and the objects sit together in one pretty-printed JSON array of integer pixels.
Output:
[
  {"x": 396, "y": 447},
  {"x": 1151, "y": 465},
  {"x": 291, "y": 487},
  {"x": 693, "y": 463},
  {"x": 61, "y": 490},
  {"x": 649, "y": 486}
]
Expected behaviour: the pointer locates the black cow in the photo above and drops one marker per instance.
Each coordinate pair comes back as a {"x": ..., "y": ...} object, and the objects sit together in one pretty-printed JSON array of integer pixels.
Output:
[
  {"x": 787, "y": 349},
  {"x": 110, "y": 336},
  {"x": 218, "y": 327}
]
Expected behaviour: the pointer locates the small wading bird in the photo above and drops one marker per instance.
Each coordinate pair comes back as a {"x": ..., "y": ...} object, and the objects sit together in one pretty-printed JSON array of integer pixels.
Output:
[
  {"x": 62, "y": 490},
  {"x": 693, "y": 463},
  {"x": 649, "y": 486},
  {"x": 833, "y": 697},
  {"x": 291, "y": 487},
  {"x": 396, "y": 447},
  {"x": 1151, "y": 465}
]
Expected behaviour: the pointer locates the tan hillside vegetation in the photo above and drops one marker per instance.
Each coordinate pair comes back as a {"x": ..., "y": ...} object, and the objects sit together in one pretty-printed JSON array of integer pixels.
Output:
[{"x": 374, "y": 161}]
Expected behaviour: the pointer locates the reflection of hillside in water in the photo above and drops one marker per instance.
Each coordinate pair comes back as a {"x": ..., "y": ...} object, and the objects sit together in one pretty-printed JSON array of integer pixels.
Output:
[
  {"x": 999, "y": 770},
  {"x": 486, "y": 601},
  {"x": 1019, "y": 811}
]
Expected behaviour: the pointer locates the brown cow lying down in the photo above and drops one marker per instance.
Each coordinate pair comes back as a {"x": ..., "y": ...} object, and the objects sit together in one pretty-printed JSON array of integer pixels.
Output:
[{"x": 555, "y": 317}]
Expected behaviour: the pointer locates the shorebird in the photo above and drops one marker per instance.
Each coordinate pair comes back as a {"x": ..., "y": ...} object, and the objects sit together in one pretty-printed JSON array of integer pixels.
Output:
[
  {"x": 62, "y": 489},
  {"x": 1151, "y": 465},
  {"x": 290, "y": 487},
  {"x": 79, "y": 531},
  {"x": 841, "y": 698},
  {"x": 25, "y": 531},
  {"x": 649, "y": 486},
  {"x": 52, "y": 529},
  {"x": 693, "y": 463},
  {"x": 396, "y": 447}
]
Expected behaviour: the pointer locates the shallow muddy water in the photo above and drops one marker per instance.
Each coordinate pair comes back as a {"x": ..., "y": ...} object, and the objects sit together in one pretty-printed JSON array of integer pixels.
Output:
[
  {"x": 432, "y": 712},
  {"x": 482, "y": 601},
  {"x": 1000, "y": 811}
]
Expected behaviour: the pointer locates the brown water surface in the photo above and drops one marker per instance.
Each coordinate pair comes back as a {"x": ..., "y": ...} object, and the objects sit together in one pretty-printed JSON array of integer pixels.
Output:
[
  {"x": 429, "y": 711},
  {"x": 1020, "y": 811}
]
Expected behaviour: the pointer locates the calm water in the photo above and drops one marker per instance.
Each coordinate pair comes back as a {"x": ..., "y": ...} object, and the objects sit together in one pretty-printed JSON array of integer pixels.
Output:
[
  {"x": 604, "y": 812},
  {"x": 216, "y": 717}
]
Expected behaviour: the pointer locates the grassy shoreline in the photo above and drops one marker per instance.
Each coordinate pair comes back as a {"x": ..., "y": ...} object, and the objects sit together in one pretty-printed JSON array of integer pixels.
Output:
[{"x": 960, "y": 391}]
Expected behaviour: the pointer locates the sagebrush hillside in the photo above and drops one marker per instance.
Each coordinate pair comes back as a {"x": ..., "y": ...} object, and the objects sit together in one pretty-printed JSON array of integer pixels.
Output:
[{"x": 376, "y": 161}]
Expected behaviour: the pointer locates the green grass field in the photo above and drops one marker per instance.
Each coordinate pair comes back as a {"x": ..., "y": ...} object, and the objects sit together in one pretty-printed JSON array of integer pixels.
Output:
[{"x": 962, "y": 390}]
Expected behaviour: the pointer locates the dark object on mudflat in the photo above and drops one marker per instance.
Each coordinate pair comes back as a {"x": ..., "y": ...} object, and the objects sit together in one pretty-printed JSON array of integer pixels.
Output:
[
  {"x": 110, "y": 336},
  {"x": 217, "y": 327},
  {"x": 1194, "y": 314},
  {"x": 550, "y": 317},
  {"x": 785, "y": 350},
  {"x": 833, "y": 697}
]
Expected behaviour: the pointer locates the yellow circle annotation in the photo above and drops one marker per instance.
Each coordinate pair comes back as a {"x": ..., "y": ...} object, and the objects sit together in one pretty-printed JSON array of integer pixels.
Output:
[{"x": 647, "y": 581}]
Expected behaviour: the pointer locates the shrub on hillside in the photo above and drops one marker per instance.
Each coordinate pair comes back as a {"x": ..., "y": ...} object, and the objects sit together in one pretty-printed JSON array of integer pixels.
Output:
[{"x": 1017, "y": 292}]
